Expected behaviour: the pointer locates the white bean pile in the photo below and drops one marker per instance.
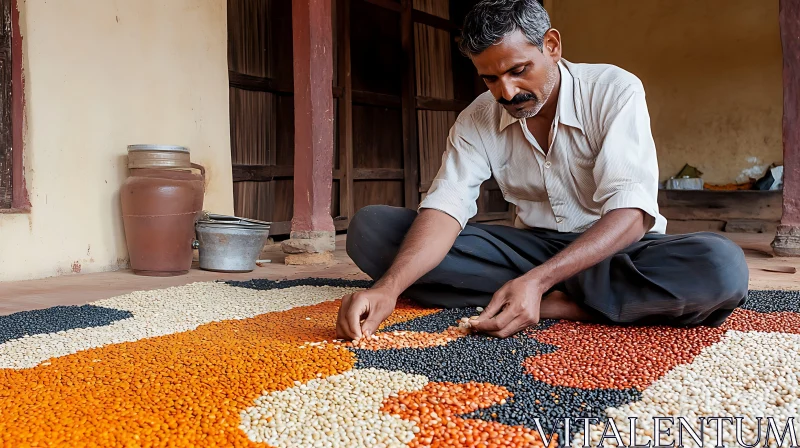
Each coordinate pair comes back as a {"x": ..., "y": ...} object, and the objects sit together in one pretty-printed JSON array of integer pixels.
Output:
[
  {"x": 747, "y": 374},
  {"x": 338, "y": 411}
]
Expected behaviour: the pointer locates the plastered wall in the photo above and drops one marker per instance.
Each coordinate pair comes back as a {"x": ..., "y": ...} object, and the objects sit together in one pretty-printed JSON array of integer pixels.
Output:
[
  {"x": 102, "y": 74},
  {"x": 711, "y": 69}
]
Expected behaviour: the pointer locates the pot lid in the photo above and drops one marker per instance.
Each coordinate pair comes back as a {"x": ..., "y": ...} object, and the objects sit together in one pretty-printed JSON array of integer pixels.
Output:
[{"x": 165, "y": 148}]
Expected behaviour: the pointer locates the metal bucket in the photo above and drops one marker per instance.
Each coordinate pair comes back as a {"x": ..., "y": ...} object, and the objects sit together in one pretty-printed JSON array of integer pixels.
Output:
[{"x": 230, "y": 244}]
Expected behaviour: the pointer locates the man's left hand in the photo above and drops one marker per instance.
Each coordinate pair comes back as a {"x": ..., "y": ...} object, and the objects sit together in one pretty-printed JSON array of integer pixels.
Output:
[{"x": 513, "y": 308}]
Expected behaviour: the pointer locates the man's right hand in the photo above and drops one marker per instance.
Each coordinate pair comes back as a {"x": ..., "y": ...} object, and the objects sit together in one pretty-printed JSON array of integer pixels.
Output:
[
  {"x": 425, "y": 245},
  {"x": 371, "y": 305}
]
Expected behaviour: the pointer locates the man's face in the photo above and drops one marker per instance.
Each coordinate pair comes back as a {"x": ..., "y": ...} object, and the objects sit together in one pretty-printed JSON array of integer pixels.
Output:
[{"x": 520, "y": 76}]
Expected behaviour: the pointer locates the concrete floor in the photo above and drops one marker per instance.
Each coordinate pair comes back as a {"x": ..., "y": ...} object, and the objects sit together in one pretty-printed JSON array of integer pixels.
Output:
[{"x": 78, "y": 289}]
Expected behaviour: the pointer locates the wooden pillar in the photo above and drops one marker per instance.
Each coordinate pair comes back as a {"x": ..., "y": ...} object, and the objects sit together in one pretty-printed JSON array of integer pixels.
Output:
[
  {"x": 787, "y": 239},
  {"x": 409, "y": 106},
  {"x": 312, "y": 236}
]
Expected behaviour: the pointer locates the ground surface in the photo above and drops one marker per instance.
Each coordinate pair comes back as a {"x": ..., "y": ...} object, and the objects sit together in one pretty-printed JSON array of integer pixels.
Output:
[
  {"x": 85, "y": 288},
  {"x": 120, "y": 360},
  {"x": 254, "y": 364}
]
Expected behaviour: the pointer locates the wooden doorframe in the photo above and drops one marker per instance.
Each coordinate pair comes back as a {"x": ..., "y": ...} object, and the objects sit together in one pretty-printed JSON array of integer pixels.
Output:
[{"x": 14, "y": 115}]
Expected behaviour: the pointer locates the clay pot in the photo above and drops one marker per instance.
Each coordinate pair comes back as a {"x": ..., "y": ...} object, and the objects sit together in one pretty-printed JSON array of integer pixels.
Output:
[{"x": 159, "y": 210}]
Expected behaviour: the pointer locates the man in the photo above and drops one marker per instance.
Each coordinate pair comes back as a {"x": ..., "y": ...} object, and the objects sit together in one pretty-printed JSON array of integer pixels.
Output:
[{"x": 570, "y": 145}]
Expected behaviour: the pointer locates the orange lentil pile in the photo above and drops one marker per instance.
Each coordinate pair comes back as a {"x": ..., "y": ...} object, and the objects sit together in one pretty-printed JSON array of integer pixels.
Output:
[
  {"x": 408, "y": 339},
  {"x": 318, "y": 323},
  {"x": 436, "y": 409},
  {"x": 185, "y": 389}
]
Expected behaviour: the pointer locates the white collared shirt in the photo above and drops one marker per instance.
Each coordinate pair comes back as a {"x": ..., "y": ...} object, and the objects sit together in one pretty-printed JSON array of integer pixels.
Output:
[{"x": 602, "y": 156}]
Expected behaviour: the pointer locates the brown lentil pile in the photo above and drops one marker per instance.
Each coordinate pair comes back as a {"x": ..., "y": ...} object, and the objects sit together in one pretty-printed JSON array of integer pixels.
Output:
[
  {"x": 613, "y": 357},
  {"x": 746, "y": 320}
]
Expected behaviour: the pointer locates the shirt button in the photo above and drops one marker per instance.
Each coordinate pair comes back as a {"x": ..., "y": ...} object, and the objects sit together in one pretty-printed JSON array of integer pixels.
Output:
[
  {"x": 559, "y": 220},
  {"x": 547, "y": 164}
]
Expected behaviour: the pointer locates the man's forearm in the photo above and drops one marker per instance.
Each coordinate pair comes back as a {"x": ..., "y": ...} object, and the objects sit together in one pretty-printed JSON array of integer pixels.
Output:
[
  {"x": 613, "y": 232},
  {"x": 426, "y": 244}
]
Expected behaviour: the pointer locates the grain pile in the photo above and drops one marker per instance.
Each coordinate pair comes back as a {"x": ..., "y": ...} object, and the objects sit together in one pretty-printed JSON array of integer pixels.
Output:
[{"x": 256, "y": 364}]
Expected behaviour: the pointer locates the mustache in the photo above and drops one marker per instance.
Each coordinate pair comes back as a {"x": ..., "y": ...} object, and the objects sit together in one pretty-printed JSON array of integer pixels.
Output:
[{"x": 518, "y": 99}]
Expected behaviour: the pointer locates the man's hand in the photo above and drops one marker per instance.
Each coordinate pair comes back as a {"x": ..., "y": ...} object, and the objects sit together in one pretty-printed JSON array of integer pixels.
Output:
[
  {"x": 513, "y": 308},
  {"x": 427, "y": 242},
  {"x": 518, "y": 302},
  {"x": 372, "y": 305}
]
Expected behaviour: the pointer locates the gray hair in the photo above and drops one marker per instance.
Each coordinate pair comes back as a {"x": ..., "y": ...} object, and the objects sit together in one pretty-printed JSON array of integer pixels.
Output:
[{"x": 491, "y": 20}]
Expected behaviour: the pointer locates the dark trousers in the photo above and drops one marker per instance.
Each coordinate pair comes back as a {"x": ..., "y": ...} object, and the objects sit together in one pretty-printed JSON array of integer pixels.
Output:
[{"x": 678, "y": 280}]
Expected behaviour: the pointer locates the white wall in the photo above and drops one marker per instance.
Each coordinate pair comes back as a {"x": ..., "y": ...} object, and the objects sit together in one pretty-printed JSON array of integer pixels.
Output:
[
  {"x": 99, "y": 75},
  {"x": 711, "y": 70}
]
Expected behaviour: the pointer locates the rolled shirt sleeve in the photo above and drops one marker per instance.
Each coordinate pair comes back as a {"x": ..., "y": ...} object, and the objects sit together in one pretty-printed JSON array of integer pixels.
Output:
[
  {"x": 626, "y": 168},
  {"x": 465, "y": 166}
]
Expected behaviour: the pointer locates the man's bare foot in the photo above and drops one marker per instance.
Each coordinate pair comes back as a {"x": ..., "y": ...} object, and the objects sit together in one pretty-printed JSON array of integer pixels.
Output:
[{"x": 558, "y": 305}]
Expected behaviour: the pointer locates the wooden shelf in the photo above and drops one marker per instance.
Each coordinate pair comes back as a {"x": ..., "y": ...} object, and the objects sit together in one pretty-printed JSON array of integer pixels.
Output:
[{"x": 720, "y": 205}]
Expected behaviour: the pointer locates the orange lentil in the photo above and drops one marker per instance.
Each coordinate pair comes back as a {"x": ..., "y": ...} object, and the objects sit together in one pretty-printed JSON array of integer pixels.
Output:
[
  {"x": 440, "y": 423},
  {"x": 184, "y": 389},
  {"x": 409, "y": 339}
]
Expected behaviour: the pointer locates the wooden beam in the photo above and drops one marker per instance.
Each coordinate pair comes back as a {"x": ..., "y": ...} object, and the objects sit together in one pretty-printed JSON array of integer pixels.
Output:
[
  {"x": 379, "y": 174},
  {"x": 409, "y": 102},
  {"x": 434, "y": 21},
  {"x": 787, "y": 239},
  {"x": 345, "y": 118},
  {"x": 386, "y": 4},
  {"x": 259, "y": 84},
  {"x": 262, "y": 173},
  {"x": 266, "y": 173},
  {"x": 262, "y": 84},
  {"x": 376, "y": 99},
  {"x": 440, "y": 104},
  {"x": 256, "y": 83}
]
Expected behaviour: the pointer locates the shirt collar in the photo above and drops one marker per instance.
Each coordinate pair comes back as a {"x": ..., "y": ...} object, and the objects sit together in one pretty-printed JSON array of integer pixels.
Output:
[{"x": 565, "y": 109}]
